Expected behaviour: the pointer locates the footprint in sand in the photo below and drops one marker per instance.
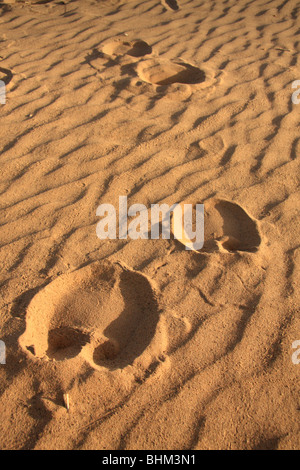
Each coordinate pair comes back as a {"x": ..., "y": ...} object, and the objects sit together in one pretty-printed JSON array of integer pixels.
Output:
[
  {"x": 171, "y": 78},
  {"x": 164, "y": 72},
  {"x": 103, "y": 313},
  {"x": 136, "y": 48},
  {"x": 228, "y": 228}
]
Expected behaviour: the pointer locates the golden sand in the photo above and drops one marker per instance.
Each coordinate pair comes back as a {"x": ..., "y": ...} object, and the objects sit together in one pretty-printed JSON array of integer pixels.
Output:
[{"x": 149, "y": 345}]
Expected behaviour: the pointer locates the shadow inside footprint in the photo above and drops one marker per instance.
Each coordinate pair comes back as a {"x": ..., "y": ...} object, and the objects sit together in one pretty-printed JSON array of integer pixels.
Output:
[
  {"x": 65, "y": 343},
  {"x": 167, "y": 73},
  {"x": 132, "y": 331},
  {"x": 139, "y": 49},
  {"x": 106, "y": 351},
  {"x": 239, "y": 231}
]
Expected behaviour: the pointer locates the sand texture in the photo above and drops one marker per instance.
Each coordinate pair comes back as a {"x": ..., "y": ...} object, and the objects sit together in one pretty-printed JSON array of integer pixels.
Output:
[{"x": 157, "y": 347}]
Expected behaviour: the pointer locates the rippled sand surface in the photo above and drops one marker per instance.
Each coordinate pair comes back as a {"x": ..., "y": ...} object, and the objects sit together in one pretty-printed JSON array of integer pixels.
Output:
[{"x": 172, "y": 101}]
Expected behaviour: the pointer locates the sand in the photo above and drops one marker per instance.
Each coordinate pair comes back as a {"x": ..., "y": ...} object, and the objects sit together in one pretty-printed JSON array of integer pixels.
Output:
[{"x": 157, "y": 347}]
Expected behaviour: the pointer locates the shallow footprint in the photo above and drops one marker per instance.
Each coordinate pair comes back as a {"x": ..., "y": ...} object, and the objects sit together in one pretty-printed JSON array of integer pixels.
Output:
[
  {"x": 133, "y": 48},
  {"x": 228, "y": 228},
  {"x": 163, "y": 72},
  {"x": 105, "y": 313}
]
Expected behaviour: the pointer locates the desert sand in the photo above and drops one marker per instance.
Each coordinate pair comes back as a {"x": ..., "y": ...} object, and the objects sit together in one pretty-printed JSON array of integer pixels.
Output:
[{"x": 157, "y": 347}]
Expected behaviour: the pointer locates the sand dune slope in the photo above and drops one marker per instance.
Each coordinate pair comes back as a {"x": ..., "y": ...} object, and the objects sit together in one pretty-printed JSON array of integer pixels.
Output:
[{"x": 171, "y": 101}]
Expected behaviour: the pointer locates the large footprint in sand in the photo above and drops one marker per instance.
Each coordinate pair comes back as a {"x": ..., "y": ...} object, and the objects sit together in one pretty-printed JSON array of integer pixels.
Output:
[
  {"x": 165, "y": 72},
  {"x": 228, "y": 228},
  {"x": 104, "y": 313}
]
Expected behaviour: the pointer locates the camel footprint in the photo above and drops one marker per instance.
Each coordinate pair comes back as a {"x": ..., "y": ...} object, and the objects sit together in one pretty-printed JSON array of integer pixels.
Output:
[
  {"x": 165, "y": 72},
  {"x": 104, "y": 313},
  {"x": 228, "y": 228},
  {"x": 155, "y": 71},
  {"x": 136, "y": 48},
  {"x": 175, "y": 76}
]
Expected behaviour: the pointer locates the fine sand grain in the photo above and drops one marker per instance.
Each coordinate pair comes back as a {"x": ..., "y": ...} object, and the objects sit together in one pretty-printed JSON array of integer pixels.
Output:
[{"x": 149, "y": 345}]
